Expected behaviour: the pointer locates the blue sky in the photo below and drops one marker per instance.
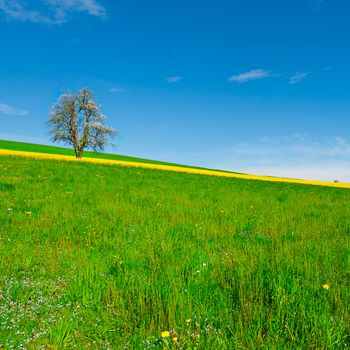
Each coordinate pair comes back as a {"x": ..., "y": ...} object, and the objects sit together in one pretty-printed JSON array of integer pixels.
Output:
[{"x": 251, "y": 86}]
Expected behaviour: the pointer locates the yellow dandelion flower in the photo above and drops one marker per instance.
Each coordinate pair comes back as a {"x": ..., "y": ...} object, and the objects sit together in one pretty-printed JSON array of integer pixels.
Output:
[
  {"x": 165, "y": 334},
  {"x": 188, "y": 320},
  {"x": 175, "y": 339},
  {"x": 28, "y": 212},
  {"x": 325, "y": 286}
]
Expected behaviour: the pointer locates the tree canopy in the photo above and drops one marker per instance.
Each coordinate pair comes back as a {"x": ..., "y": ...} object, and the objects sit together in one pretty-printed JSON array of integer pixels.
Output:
[{"x": 76, "y": 120}]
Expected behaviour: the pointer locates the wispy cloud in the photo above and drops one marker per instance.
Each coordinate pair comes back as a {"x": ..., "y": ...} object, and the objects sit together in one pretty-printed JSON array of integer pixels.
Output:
[
  {"x": 174, "y": 79},
  {"x": 296, "y": 155},
  {"x": 254, "y": 74},
  {"x": 117, "y": 89},
  {"x": 328, "y": 68},
  {"x": 16, "y": 10},
  {"x": 298, "y": 77},
  {"x": 9, "y": 110},
  {"x": 62, "y": 7},
  {"x": 50, "y": 11},
  {"x": 297, "y": 146},
  {"x": 300, "y": 156}
]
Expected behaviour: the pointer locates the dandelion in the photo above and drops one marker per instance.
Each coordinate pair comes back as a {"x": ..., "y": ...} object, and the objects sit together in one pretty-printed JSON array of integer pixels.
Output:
[
  {"x": 188, "y": 320},
  {"x": 28, "y": 212},
  {"x": 165, "y": 334},
  {"x": 175, "y": 339},
  {"x": 325, "y": 286}
]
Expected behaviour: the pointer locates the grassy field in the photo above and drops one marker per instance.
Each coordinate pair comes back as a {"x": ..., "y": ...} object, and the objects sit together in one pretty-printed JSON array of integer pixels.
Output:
[
  {"x": 32, "y": 147},
  {"x": 99, "y": 256},
  {"x": 54, "y": 153}
]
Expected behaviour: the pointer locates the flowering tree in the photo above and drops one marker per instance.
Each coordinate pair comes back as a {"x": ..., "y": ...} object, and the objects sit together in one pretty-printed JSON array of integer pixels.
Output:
[{"x": 76, "y": 120}]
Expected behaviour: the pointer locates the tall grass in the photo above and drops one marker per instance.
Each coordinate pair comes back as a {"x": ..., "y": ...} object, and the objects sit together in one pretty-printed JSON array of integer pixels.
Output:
[{"x": 98, "y": 256}]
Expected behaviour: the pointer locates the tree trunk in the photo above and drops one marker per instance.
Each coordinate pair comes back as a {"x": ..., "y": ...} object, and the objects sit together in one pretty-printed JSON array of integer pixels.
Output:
[{"x": 79, "y": 153}]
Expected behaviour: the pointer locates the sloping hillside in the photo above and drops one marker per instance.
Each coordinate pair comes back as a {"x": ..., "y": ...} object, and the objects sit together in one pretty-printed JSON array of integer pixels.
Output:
[
  {"x": 98, "y": 256},
  {"x": 55, "y": 153}
]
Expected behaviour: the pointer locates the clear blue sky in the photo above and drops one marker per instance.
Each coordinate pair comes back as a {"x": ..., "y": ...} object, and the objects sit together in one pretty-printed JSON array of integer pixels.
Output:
[{"x": 250, "y": 85}]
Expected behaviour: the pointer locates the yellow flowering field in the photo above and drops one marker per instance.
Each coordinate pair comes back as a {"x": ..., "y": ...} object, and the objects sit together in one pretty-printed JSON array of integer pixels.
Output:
[{"x": 6, "y": 152}]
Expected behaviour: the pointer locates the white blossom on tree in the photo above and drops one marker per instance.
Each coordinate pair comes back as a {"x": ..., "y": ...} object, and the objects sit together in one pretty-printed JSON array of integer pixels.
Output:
[{"x": 76, "y": 120}]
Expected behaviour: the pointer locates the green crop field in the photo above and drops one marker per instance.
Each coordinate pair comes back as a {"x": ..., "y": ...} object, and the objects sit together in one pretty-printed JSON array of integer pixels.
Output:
[{"x": 108, "y": 257}]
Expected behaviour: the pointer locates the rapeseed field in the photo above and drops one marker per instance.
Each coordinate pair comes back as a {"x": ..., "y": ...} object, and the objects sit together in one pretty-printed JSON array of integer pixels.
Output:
[{"x": 176, "y": 168}]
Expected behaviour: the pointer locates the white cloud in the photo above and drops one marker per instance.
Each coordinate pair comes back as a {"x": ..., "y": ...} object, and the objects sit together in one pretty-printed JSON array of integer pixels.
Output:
[
  {"x": 296, "y": 156},
  {"x": 328, "y": 68},
  {"x": 297, "y": 146},
  {"x": 254, "y": 74},
  {"x": 62, "y": 7},
  {"x": 298, "y": 77},
  {"x": 9, "y": 110},
  {"x": 50, "y": 11},
  {"x": 175, "y": 79},
  {"x": 14, "y": 9},
  {"x": 299, "y": 156}
]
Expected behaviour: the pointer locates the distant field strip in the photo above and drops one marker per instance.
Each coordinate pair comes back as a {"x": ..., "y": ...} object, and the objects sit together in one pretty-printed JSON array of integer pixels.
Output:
[{"x": 5, "y": 152}]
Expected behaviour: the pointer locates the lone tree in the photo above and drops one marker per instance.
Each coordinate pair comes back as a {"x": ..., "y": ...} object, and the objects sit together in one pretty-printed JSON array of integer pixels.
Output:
[{"x": 76, "y": 120}]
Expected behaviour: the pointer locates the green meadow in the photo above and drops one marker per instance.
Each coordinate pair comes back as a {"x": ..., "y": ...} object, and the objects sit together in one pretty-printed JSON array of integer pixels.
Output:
[
  {"x": 32, "y": 147},
  {"x": 108, "y": 257}
]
